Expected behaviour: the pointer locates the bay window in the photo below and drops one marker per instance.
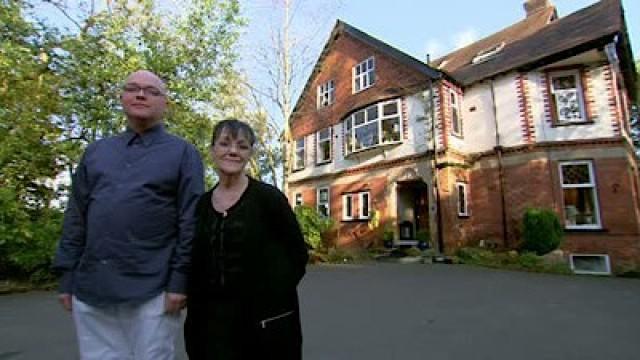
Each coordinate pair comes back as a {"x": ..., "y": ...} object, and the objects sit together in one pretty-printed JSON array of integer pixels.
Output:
[{"x": 372, "y": 126}]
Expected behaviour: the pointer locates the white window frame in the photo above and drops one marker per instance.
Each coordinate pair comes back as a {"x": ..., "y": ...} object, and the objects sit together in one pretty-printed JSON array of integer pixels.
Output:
[
  {"x": 326, "y": 94},
  {"x": 297, "y": 199},
  {"x": 592, "y": 185},
  {"x": 607, "y": 264},
  {"x": 454, "y": 107},
  {"x": 296, "y": 156},
  {"x": 364, "y": 75},
  {"x": 328, "y": 203},
  {"x": 347, "y": 198},
  {"x": 580, "y": 94},
  {"x": 465, "y": 190},
  {"x": 380, "y": 119},
  {"x": 319, "y": 160},
  {"x": 361, "y": 201}
]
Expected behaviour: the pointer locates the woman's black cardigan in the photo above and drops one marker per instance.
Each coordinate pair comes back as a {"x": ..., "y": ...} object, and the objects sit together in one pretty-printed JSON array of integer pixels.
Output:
[{"x": 264, "y": 252}]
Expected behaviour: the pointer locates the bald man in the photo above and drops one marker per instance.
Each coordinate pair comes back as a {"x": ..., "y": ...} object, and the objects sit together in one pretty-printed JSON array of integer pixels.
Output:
[{"x": 125, "y": 249}]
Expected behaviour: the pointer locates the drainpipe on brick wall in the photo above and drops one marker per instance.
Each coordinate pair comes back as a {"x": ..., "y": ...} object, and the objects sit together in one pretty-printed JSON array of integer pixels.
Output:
[
  {"x": 435, "y": 171},
  {"x": 498, "y": 150}
]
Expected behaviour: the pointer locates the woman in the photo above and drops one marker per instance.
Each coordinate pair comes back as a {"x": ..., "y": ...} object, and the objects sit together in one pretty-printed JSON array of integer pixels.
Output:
[{"x": 248, "y": 257}]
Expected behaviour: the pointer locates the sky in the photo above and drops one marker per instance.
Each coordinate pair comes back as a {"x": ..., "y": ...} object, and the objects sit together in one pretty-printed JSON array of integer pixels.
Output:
[{"x": 419, "y": 27}]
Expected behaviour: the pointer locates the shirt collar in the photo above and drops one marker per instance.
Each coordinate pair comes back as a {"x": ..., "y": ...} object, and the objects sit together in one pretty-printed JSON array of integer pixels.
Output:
[{"x": 147, "y": 137}]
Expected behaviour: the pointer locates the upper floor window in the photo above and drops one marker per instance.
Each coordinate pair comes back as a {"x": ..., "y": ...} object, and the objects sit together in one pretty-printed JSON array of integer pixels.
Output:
[
  {"x": 298, "y": 159},
  {"x": 579, "y": 195},
  {"x": 323, "y": 201},
  {"x": 323, "y": 139},
  {"x": 456, "y": 119},
  {"x": 326, "y": 94},
  {"x": 462, "y": 197},
  {"x": 567, "y": 97},
  {"x": 364, "y": 75},
  {"x": 375, "y": 125}
]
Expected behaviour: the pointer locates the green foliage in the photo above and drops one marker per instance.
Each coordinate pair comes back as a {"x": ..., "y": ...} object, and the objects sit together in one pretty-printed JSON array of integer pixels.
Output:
[
  {"x": 542, "y": 231},
  {"x": 313, "y": 225},
  {"x": 526, "y": 261}
]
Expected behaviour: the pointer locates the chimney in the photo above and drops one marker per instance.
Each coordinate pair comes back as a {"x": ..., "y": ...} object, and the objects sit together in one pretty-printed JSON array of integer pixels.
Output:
[{"x": 533, "y": 6}]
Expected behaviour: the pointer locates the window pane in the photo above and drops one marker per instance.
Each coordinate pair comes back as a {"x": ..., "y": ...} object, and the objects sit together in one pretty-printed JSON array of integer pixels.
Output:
[
  {"x": 323, "y": 209},
  {"x": 564, "y": 82},
  {"x": 348, "y": 142},
  {"x": 462, "y": 200},
  {"x": 391, "y": 130},
  {"x": 370, "y": 63},
  {"x": 568, "y": 105},
  {"x": 323, "y": 134},
  {"x": 300, "y": 143},
  {"x": 372, "y": 113},
  {"x": 576, "y": 174},
  {"x": 347, "y": 206},
  {"x": 366, "y": 136},
  {"x": 323, "y": 196},
  {"x": 325, "y": 151},
  {"x": 579, "y": 206},
  {"x": 359, "y": 118},
  {"x": 365, "y": 205},
  {"x": 372, "y": 78},
  {"x": 455, "y": 121},
  {"x": 299, "y": 159},
  {"x": 390, "y": 108}
]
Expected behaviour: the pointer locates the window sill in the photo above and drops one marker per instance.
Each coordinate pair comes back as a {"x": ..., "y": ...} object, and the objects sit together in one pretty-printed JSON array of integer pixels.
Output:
[
  {"x": 578, "y": 123},
  {"x": 362, "y": 90},
  {"x": 357, "y": 220},
  {"x": 459, "y": 136},
  {"x": 380, "y": 147},
  {"x": 297, "y": 170},
  {"x": 323, "y": 163},
  {"x": 585, "y": 230},
  {"x": 467, "y": 216}
]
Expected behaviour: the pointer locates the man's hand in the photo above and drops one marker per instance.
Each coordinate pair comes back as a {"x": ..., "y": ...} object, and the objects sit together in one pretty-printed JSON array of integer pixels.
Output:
[
  {"x": 173, "y": 303},
  {"x": 65, "y": 300}
]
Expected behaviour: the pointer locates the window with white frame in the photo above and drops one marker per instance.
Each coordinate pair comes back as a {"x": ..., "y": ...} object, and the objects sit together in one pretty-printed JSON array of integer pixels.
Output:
[
  {"x": 579, "y": 195},
  {"x": 297, "y": 199},
  {"x": 326, "y": 94},
  {"x": 566, "y": 90},
  {"x": 456, "y": 119},
  {"x": 347, "y": 207},
  {"x": 462, "y": 196},
  {"x": 323, "y": 201},
  {"x": 298, "y": 161},
  {"x": 323, "y": 139},
  {"x": 375, "y": 125},
  {"x": 364, "y": 204},
  {"x": 364, "y": 75}
]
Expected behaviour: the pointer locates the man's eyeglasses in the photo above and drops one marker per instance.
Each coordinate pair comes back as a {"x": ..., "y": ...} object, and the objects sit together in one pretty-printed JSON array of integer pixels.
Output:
[{"x": 147, "y": 90}]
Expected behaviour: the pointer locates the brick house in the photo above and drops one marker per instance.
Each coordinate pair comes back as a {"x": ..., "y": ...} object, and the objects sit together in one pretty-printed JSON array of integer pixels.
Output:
[{"x": 535, "y": 115}]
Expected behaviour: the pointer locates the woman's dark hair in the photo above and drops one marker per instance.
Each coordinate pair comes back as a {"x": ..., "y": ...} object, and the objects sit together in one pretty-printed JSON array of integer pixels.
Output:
[{"x": 235, "y": 127}]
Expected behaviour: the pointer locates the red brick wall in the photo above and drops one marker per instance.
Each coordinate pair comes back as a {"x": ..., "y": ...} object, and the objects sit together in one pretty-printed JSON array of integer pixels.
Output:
[{"x": 392, "y": 80}]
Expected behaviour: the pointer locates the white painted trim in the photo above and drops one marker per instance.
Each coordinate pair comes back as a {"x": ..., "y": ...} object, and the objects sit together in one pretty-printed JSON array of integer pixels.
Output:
[
  {"x": 364, "y": 75},
  {"x": 591, "y": 185},
  {"x": 607, "y": 264},
  {"x": 295, "y": 199},
  {"x": 295, "y": 153},
  {"x": 367, "y": 122},
  {"x": 580, "y": 92},
  {"x": 318, "y": 147}
]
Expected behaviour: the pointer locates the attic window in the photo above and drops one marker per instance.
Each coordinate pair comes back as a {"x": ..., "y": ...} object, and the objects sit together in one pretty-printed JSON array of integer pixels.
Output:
[{"x": 487, "y": 54}]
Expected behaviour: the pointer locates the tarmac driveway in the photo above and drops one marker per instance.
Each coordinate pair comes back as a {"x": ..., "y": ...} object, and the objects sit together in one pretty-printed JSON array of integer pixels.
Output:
[{"x": 393, "y": 311}]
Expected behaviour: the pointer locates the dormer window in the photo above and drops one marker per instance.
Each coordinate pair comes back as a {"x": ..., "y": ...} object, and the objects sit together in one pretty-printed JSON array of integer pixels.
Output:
[
  {"x": 326, "y": 94},
  {"x": 487, "y": 54},
  {"x": 364, "y": 75},
  {"x": 372, "y": 126}
]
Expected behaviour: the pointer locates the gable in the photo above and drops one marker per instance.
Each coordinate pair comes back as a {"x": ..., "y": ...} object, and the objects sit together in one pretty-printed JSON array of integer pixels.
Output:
[{"x": 397, "y": 74}]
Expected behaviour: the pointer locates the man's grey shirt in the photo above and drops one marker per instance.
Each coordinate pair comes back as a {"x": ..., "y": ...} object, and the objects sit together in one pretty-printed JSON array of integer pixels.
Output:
[{"x": 130, "y": 220}]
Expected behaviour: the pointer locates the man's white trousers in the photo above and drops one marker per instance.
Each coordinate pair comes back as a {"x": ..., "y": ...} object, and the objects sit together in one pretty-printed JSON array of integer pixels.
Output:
[{"x": 126, "y": 332}]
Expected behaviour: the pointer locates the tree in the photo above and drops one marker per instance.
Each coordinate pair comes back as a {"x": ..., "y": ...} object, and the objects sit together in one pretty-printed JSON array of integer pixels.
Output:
[
  {"x": 283, "y": 62},
  {"x": 29, "y": 146}
]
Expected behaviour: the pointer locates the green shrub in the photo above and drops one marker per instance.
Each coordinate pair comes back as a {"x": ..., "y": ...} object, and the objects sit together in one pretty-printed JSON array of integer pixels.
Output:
[
  {"x": 542, "y": 231},
  {"x": 312, "y": 224}
]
